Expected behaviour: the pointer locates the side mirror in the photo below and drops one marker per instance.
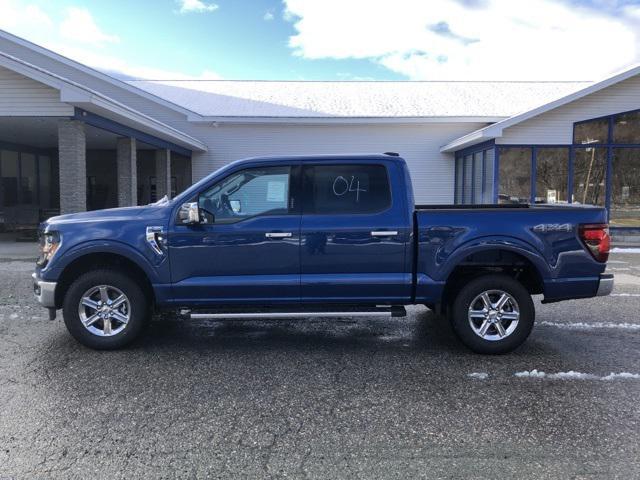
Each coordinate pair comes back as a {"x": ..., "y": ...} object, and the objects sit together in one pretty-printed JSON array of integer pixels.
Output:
[{"x": 190, "y": 214}]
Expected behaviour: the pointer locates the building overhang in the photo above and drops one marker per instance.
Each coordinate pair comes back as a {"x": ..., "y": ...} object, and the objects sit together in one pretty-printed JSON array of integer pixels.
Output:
[
  {"x": 122, "y": 130},
  {"x": 473, "y": 138},
  {"x": 89, "y": 100}
]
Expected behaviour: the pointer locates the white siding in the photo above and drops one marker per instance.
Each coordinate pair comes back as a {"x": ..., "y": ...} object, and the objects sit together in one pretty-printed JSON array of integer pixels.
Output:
[
  {"x": 556, "y": 126},
  {"x": 432, "y": 172},
  {"x": 20, "y": 96}
]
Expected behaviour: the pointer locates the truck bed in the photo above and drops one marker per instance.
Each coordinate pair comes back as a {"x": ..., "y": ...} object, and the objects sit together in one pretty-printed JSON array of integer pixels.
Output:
[{"x": 543, "y": 236}]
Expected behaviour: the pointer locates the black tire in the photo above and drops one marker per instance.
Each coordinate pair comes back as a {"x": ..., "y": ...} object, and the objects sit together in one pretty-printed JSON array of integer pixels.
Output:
[
  {"x": 460, "y": 314},
  {"x": 138, "y": 313}
]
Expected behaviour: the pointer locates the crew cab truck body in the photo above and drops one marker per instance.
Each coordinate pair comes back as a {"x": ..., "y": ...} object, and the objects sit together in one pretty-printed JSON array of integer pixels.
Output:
[{"x": 317, "y": 235}]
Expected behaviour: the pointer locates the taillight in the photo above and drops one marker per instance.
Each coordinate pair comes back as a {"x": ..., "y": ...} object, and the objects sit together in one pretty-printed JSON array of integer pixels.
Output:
[{"x": 597, "y": 240}]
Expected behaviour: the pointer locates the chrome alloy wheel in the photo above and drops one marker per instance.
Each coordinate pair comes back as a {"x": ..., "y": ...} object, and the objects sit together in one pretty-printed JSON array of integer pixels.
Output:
[
  {"x": 494, "y": 315},
  {"x": 104, "y": 310}
]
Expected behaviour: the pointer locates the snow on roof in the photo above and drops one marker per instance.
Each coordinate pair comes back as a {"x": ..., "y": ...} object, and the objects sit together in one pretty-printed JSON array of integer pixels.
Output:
[{"x": 465, "y": 99}]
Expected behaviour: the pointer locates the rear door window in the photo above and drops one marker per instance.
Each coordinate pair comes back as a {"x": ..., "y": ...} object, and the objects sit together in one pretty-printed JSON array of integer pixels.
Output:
[{"x": 346, "y": 189}]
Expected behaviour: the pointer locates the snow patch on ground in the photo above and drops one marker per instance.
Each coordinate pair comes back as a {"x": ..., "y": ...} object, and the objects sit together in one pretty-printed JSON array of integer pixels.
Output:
[
  {"x": 478, "y": 375},
  {"x": 613, "y": 376},
  {"x": 533, "y": 373},
  {"x": 591, "y": 326},
  {"x": 625, "y": 294},
  {"x": 625, "y": 250},
  {"x": 573, "y": 375}
]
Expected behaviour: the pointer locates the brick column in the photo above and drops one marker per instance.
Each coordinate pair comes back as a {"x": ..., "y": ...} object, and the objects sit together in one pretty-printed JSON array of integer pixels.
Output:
[
  {"x": 72, "y": 154},
  {"x": 163, "y": 173},
  {"x": 127, "y": 172}
]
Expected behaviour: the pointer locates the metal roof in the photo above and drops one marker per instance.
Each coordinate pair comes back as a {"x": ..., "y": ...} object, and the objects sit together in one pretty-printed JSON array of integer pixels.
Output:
[{"x": 462, "y": 100}]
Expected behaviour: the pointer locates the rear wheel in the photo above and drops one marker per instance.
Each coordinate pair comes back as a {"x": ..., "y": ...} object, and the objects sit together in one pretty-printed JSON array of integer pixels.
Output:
[
  {"x": 493, "y": 314},
  {"x": 105, "y": 309}
]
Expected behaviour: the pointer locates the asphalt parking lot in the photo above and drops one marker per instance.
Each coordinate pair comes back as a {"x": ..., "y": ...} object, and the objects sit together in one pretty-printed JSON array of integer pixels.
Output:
[{"x": 323, "y": 398}]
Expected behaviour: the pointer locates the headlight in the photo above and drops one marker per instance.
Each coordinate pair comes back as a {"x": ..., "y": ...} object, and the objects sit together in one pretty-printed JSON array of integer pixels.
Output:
[{"x": 49, "y": 244}]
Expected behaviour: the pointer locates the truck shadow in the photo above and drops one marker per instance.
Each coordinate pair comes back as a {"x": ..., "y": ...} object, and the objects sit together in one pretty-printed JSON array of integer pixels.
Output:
[{"x": 422, "y": 330}]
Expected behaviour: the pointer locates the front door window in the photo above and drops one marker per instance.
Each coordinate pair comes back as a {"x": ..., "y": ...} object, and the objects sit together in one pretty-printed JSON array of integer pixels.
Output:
[{"x": 249, "y": 193}]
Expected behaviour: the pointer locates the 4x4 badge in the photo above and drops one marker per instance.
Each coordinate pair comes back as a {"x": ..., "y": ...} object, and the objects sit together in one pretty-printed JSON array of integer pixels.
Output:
[{"x": 553, "y": 227}]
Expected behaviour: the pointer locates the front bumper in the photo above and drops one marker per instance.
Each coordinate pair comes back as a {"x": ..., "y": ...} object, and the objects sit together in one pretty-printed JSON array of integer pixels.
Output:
[
  {"x": 45, "y": 292},
  {"x": 605, "y": 287}
]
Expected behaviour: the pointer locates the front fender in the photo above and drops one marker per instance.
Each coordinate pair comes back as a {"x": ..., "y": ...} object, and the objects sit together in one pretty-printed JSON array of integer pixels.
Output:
[{"x": 155, "y": 274}]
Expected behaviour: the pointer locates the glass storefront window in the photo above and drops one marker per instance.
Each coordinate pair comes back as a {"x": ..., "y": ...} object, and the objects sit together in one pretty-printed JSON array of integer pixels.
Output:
[
  {"x": 589, "y": 169},
  {"x": 488, "y": 176},
  {"x": 458, "y": 199},
  {"x": 9, "y": 176},
  {"x": 28, "y": 178},
  {"x": 625, "y": 195},
  {"x": 471, "y": 171},
  {"x": 592, "y": 131},
  {"x": 626, "y": 128},
  {"x": 477, "y": 180},
  {"x": 44, "y": 166},
  {"x": 468, "y": 178},
  {"x": 515, "y": 175},
  {"x": 552, "y": 175}
]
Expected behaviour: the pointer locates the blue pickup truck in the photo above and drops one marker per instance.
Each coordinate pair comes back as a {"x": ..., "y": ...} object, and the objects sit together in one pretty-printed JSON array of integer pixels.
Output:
[{"x": 327, "y": 236}]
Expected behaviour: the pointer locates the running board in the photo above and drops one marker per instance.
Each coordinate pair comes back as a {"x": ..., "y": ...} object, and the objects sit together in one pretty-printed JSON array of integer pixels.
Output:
[{"x": 378, "y": 312}]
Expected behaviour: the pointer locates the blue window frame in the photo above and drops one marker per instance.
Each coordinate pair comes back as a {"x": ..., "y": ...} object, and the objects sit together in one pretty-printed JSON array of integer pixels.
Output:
[{"x": 610, "y": 145}]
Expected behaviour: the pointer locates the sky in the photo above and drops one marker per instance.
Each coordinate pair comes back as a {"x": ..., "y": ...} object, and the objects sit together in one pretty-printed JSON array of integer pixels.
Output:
[{"x": 336, "y": 39}]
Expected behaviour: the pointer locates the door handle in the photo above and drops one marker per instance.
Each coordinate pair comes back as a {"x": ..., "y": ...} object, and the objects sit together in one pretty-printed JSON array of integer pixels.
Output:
[
  {"x": 277, "y": 234},
  {"x": 384, "y": 233}
]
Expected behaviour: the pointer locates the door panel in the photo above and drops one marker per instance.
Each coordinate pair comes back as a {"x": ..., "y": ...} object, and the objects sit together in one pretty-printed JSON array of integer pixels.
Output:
[
  {"x": 248, "y": 249},
  {"x": 237, "y": 262},
  {"x": 352, "y": 253}
]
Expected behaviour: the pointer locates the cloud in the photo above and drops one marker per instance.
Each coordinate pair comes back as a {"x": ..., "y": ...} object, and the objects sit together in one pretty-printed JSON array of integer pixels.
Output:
[
  {"x": 19, "y": 17},
  {"x": 78, "y": 25},
  {"x": 121, "y": 68},
  {"x": 197, "y": 6},
  {"x": 268, "y": 16},
  {"x": 632, "y": 11},
  {"x": 466, "y": 39}
]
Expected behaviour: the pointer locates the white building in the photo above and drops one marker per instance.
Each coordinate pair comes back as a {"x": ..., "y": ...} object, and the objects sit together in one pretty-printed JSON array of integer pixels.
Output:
[{"x": 73, "y": 138}]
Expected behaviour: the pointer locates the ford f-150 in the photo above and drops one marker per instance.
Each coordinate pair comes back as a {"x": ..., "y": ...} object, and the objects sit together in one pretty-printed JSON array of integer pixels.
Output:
[{"x": 316, "y": 236}]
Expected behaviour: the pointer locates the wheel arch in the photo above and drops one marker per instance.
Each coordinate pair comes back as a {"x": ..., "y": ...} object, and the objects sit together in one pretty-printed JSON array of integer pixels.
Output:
[
  {"x": 91, "y": 260},
  {"x": 514, "y": 261}
]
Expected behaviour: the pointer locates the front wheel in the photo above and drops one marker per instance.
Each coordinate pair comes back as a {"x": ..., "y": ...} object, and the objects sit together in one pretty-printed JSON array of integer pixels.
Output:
[
  {"x": 493, "y": 314},
  {"x": 105, "y": 309}
]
